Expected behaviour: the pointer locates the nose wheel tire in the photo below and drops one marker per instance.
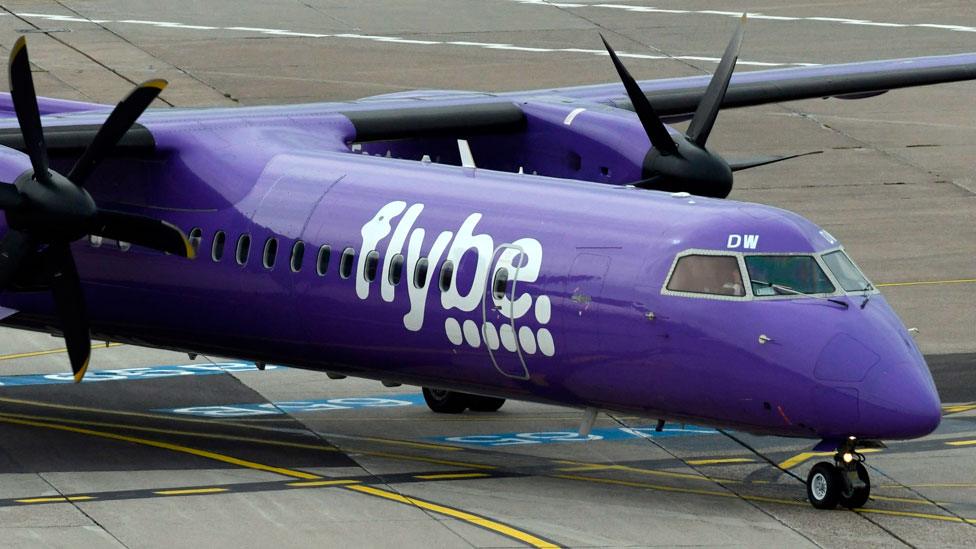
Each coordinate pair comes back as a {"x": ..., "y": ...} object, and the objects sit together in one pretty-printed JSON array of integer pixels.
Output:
[
  {"x": 829, "y": 484},
  {"x": 824, "y": 485},
  {"x": 443, "y": 401}
]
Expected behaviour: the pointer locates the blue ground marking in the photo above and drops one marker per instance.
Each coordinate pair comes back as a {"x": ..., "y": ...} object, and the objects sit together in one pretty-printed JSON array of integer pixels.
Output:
[
  {"x": 149, "y": 372},
  {"x": 298, "y": 406},
  {"x": 549, "y": 437}
]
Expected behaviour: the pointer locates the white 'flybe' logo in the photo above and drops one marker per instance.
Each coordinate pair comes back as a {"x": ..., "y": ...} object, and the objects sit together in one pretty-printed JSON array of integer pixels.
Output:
[{"x": 527, "y": 252}]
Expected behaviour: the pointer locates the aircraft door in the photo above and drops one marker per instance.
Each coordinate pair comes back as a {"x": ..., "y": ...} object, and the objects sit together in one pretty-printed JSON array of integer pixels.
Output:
[{"x": 498, "y": 308}]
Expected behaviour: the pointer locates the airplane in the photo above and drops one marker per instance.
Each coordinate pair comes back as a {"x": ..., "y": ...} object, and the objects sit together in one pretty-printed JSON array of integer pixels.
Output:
[{"x": 564, "y": 246}]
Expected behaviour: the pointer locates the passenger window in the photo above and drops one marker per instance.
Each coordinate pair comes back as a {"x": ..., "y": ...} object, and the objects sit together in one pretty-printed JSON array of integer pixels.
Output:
[
  {"x": 195, "y": 236},
  {"x": 372, "y": 261},
  {"x": 270, "y": 252},
  {"x": 707, "y": 274},
  {"x": 322, "y": 262},
  {"x": 217, "y": 248},
  {"x": 499, "y": 286},
  {"x": 243, "y": 249},
  {"x": 792, "y": 273},
  {"x": 447, "y": 272},
  {"x": 345, "y": 262},
  {"x": 396, "y": 269},
  {"x": 297, "y": 255},
  {"x": 420, "y": 273}
]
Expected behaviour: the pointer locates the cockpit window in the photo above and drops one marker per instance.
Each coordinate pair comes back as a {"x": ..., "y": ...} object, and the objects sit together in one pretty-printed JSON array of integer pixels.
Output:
[
  {"x": 787, "y": 274},
  {"x": 846, "y": 272},
  {"x": 707, "y": 274}
]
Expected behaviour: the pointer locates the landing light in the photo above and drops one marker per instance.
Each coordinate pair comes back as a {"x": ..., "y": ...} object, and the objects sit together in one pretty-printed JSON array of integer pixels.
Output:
[{"x": 848, "y": 457}]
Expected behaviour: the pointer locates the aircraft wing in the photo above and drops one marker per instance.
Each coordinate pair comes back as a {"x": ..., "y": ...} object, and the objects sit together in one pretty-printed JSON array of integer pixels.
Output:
[
  {"x": 680, "y": 96},
  {"x": 673, "y": 99}
]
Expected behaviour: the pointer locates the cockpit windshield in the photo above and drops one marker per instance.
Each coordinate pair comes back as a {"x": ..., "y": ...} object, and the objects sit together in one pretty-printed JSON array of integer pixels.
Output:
[
  {"x": 707, "y": 274},
  {"x": 800, "y": 274},
  {"x": 846, "y": 273}
]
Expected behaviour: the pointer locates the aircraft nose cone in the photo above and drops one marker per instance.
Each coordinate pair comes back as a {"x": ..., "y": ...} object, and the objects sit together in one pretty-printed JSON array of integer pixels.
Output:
[{"x": 899, "y": 401}]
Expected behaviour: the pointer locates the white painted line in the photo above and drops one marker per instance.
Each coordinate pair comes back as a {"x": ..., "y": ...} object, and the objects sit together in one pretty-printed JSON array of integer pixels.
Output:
[
  {"x": 572, "y": 116},
  {"x": 750, "y": 15},
  {"x": 411, "y": 41}
]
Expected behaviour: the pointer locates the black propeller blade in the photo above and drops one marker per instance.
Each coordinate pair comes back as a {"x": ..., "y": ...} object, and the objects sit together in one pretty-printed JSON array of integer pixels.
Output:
[
  {"x": 755, "y": 162},
  {"x": 142, "y": 231},
  {"x": 683, "y": 163},
  {"x": 655, "y": 129},
  {"x": 25, "y": 104},
  {"x": 711, "y": 102},
  {"x": 119, "y": 122},
  {"x": 70, "y": 305},
  {"x": 46, "y": 211}
]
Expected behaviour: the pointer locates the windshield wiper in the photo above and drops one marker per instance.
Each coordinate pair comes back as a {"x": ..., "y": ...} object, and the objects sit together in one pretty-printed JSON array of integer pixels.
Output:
[
  {"x": 781, "y": 289},
  {"x": 867, "y": 296}
]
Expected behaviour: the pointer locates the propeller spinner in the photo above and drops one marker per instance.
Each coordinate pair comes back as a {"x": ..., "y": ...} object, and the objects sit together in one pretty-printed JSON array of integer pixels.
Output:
[
  {"x": 682, "y": 163},
  {"x": 46, "y": 211}
]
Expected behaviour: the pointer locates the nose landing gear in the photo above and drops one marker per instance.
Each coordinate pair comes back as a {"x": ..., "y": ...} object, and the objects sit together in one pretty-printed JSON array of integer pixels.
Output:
[{"x": 845, "y": 481}]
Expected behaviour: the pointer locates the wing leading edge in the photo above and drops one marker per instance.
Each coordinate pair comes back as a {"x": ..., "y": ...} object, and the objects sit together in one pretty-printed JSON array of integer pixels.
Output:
[{"x": 680, "y": 96}]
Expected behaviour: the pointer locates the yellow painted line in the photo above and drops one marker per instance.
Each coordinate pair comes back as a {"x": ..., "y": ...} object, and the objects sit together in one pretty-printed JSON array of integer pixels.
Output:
[
  {"x": 676, "y": 489},
  {"x": 928, "y": 282},
  {"x": 956, "y": 408},
  {"x": 445, "y": 476},
  {"x": 404, "y": 457},
  {"x": 918, "y": 501},
  {"x": 408, "y": 443},
  {"x": 190, "y": 491},
  {"x": 961, "y": 443},
  {"x": 164, "y": 445},
  {"x": 470, "y": 518},
  {"x": 198, "y": 434},
  {"x": 804, "y": 456},
  {"x": 718, "y": 461},
  {"x": 578, "y": 467},
  {"x": 928, "y": 516},
  {"x": 52, "y": 352},
  {"x": 217, "y": 436},
  {"x": 311, "y": 483},
  {"x": 55, "y": 499}
]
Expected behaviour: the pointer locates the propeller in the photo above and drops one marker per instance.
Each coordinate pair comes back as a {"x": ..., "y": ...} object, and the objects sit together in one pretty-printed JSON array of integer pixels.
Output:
[
  {"x": 46, "y": 211},
  {"x": 682, "y": 163}
]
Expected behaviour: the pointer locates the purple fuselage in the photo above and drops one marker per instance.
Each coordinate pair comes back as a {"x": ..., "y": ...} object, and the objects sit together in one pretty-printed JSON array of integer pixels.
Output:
[{"x": 584, "y": 319}]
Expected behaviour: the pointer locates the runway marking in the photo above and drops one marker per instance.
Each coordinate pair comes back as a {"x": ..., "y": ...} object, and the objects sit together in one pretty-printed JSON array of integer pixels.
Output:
[
  {"x": 578, "y": 466},
  {"x": 400, "y": 40},
  {"x": 446, "y": 476},
  {"x": 764, "y": 499},
  {"x": 928, "y": 516},
  {"x": 315, "y": 483},
  {"x": 15, "y": 356},
  {"x": 137, "y": 373},
  {"x": 488, "y": 524},
  {"x": 190, "y": 491},
  {"x": 956, "y": 408},
  {"x": 752, "y": 15},
  {"x": 962, "y": 443},
  {"x": 927, "y": 282},
  {"x": 388, "y": 455},
  {"x": 804, "y": 456},
  {"x": 720, "y": 461},
  {"x": 404, "y": 457},
  {"x": 164, "y": 445},
  {"x": 56, "y": 499}
]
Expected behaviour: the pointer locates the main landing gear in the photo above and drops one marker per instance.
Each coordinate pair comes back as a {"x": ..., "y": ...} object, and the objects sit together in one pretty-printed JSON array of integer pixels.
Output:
[
  {"x": 845, "y": 481},
  {"x": 452, "y": 402}
]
